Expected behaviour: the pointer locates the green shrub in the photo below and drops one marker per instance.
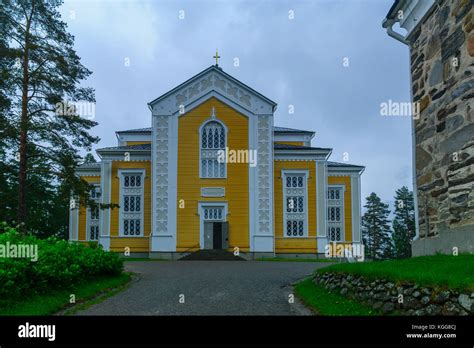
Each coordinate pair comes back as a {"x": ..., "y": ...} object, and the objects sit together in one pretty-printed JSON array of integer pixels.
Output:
[{"x": 60, "y": 264}]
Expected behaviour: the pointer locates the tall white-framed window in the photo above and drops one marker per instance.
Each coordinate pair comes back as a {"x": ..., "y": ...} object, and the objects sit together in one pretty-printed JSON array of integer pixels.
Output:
[
  {"x": 295, "y": 203},
  {"x": 132, "y": 182},
  {"x": 93, "y": 216},
  {"x": 335, "y": 214},
  {"x": 212, "y": 139}
]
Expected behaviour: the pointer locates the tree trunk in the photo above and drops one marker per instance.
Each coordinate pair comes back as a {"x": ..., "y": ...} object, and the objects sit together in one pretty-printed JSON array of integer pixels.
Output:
[{"x": 22, "y": 172}]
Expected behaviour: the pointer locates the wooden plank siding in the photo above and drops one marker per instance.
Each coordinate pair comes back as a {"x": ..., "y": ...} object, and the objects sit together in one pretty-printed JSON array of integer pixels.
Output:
[
  {"x": 128, "y": 143},
  {"x": 189, "y": 182},
  {"x": 299, "y": 143}
]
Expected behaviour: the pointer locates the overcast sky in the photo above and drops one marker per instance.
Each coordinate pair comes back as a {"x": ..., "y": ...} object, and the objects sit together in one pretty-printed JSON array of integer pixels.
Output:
[{"x": 298, "y": 61}]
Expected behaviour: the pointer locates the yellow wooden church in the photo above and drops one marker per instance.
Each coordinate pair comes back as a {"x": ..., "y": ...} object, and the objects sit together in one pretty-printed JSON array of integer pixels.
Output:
[{"x": 214, "y": 172}]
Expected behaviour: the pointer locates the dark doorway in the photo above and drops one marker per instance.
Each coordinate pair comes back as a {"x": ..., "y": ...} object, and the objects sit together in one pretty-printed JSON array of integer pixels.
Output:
[{"x": 217, "y": 235}]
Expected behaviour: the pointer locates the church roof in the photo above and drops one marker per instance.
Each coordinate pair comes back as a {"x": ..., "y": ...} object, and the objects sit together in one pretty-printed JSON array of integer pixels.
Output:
[
  {"x": 139, "y": 147},
  {"x": 339, "y": 164},
  {"x": 338, "y": 167},
  {"x": 290, "y": 130},
  {"x": 275, "y": 130},
  {"x": 137, "y": 130},
  {"x": 92, "y": 165},
  {"x": 147, "y": 147},
  {"x": 277, "y": 146}
]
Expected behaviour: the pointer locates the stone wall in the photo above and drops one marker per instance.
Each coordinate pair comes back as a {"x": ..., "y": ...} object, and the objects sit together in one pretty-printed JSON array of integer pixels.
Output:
[
  {"x": 397, "y": 298},
  {"x": 442, "y": 64}
]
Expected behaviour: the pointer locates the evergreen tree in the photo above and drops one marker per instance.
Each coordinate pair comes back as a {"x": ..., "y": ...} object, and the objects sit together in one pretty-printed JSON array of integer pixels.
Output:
[
  {"x": 37, "y": 105},
  {"x": 89, "y": 158},
  {"x": 404, "y": 222},
  {"x": 376, "y": 232}
]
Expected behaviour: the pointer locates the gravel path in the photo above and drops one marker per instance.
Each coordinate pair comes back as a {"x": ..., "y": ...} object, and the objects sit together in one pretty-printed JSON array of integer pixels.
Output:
[{"x": 209, "y": 288}]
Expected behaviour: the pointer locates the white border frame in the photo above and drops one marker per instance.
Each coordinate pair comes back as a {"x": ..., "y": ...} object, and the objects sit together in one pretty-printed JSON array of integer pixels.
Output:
[
  {"x": 121, "y": 173},
  {"x": 284, "y": 173},
  {"x": 201, "y": 206},
  {"x": 210, "y": 120},
  {"x": 343, "y": 213}
]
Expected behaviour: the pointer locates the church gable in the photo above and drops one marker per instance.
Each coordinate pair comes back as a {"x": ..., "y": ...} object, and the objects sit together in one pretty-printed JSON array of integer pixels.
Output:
[
  {"x": 180, "y": 113},
  {"x": 212, "y": 82}
]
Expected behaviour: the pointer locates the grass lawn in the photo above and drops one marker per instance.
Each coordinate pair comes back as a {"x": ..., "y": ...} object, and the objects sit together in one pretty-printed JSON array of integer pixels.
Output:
[
  {"x": 445, "y": 271},
  {"x": 296, "y": 259},
  {"x": 324, "y": 302},
  {"x": 51, "y": 303}
]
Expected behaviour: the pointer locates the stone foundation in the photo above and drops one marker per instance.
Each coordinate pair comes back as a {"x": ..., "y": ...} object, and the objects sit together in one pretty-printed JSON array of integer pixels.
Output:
[{"x": 395, "y": 298}]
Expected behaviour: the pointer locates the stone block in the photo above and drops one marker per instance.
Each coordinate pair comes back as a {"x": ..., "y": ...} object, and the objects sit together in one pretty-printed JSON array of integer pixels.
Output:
[
  {"x": 470, "y": 46},
  {"x": 454, "y": 122},
  {"x": 424, "y": 102},
  {"x": 452, "y": 43},
  {"x": 436, "y": 73},
  {"x": 423, "y": 158}
]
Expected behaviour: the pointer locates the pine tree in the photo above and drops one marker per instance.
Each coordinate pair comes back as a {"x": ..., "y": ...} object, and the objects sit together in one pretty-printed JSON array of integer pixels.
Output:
[
  {"x": 89, "y": 158},
  {"x": 404, "y": 222},
  {"x": 376, "y": 232},
  {"x": 43, "y": 73}
]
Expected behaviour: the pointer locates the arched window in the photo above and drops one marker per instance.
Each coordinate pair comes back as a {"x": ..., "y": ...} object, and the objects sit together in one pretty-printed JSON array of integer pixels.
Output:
[{"x": 213, "y": 139}]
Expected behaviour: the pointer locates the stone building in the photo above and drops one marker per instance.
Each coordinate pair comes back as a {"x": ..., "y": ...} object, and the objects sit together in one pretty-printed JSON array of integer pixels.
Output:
[{"x": 440, "y": 38}]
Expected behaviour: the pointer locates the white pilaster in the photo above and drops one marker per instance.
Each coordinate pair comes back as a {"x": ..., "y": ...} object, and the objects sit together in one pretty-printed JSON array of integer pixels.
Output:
[
  {"x": 264, "y": 235},
  {"x": 106, "y": 198},
  {"x": 164, "y": 152},
  {"x": 321, "y": 209},
  {"x": 173, "y": 179},
  {"x": 73, "y": 223},
  {"x": 252, "y": 121},
  {"x": 356, "y": 208}
]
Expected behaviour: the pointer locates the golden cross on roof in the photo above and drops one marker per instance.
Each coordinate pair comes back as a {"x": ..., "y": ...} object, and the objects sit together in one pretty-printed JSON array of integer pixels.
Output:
[{"x": 217, "y": 56}]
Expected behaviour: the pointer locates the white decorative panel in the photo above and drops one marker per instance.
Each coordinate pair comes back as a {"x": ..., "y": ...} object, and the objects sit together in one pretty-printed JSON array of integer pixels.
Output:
[
  {"x": 264, "y": 174},
  {"x": 217, "y": 81},
  {"x": 207, "y": 83},
  {"x": 212, "y": 191},
  {"x": 161, "y": 174}
]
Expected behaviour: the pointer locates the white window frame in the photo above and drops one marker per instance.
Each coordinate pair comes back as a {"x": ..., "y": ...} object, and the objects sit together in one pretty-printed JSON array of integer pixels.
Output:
[
  {"x": 201, "y": 128},
  {"x": 96, "y": 222},
  {"x": 305, "y": 174},
  {"x": 201, "y": 207},
  {"x": 139, "y": 191},
  {"x": 342, "y": 223}
]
